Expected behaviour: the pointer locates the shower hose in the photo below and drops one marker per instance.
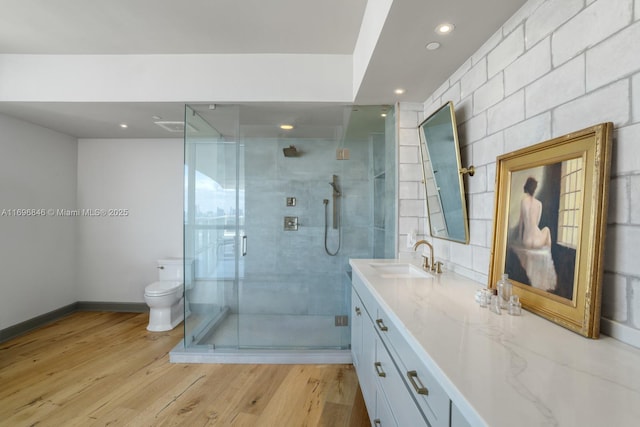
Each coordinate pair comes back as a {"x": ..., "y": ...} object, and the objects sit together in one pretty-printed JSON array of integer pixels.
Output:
[{"x": 326, "y": 230}]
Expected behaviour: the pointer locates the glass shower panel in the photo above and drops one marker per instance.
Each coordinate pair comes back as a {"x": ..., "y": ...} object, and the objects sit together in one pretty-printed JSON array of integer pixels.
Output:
[{"x": 212, "y": 227}]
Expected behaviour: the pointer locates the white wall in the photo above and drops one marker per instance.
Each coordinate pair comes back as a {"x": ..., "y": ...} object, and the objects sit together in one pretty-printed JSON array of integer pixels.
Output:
[
  {"x": 38, "y": 253},
  {"x": 556, "y": 66},
  {"x": 117, "y": 255}
]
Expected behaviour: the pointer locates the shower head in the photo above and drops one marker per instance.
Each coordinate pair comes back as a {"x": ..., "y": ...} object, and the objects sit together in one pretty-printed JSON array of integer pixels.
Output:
[{"x": 290, "y": 151}]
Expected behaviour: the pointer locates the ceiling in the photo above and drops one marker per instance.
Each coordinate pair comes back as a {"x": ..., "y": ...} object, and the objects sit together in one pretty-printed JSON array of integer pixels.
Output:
[{"x": 399, "y": 59}]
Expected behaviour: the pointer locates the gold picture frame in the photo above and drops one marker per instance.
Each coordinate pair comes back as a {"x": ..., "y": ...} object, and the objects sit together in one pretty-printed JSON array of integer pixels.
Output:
[{"x": 549, "y": 226}]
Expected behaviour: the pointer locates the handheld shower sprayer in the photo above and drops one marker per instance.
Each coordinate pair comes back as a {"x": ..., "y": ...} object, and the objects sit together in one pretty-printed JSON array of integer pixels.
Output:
[{"x": 336, "y": 192}]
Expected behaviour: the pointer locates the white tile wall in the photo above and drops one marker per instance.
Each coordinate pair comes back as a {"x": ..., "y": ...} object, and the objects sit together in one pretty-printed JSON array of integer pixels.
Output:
[
  {"x": 613, "y": 58},
  {"x": 532, "y": 65},
  {"x": 634, "y": 302},
  {"x": 559, "y": 86},
  {"x": 506, "y": 52},
  {"x": 511, "y": 98},
  {"x": 589, "y": 27},
  {"x": 549, "y": 16}
]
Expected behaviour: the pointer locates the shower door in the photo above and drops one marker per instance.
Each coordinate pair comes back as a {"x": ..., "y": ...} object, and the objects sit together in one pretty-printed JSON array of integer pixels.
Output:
[{"x": 213, "y": 228}]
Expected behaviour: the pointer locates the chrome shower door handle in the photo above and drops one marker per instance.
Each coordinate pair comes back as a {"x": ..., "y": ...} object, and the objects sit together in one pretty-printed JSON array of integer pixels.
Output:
[{"x": 244, "y": 245}]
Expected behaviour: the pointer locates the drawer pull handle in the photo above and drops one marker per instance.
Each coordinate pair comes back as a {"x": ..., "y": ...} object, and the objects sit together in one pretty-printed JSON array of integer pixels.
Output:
[
  {"x": 377, "y": 422},
  {"x": 420, "y": 389},
  {"x": 381, "y": 325},
  {"x": 358, "y": 312},
  {"x": 379, "y": 371}
]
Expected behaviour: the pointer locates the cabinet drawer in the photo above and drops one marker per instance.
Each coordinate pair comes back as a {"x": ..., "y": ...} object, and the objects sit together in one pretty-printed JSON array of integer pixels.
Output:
[
  {"x": 431, "y": 397},
  {"x": 404, "y": 408},
  {"x": 369, "y": 302}
]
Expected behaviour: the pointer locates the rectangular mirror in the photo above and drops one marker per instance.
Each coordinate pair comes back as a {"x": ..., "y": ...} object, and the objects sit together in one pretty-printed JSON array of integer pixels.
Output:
[{"x": 440, "y": 158}]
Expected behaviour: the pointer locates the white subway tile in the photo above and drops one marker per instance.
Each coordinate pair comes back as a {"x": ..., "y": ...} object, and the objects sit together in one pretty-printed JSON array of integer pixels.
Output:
[
  {"x": 408, "y": 116},
  {"x": 523, "y": 13},
  {"x": 442, "y": 248},
  {"x": 614, "y": 58},
  {"x": 532, "y": 65},
  {"x": 461, "y": 254},
  {"x": 410, "y": 172},
  {"x": 478, "y": 232},
  {"x": 464, "y": 110},
  {"x": 408, "y": 190},
  {"x": 621, "y": 249},
  {"x": 532, "y": 131},
  {"x": 487, "y": 149},
  {"x": 407, "y": 225},
  {"x": 614, "y": 297},
  {"x": 634, "y": 302},
  {"x": 481, "y": 206},
  {"x": 619, "y": 201},
  {"x": 431, "y": 108},
  {"x": 507, "y": 113},
  {"x": 474, "y": 78},
  {"x": 461, "y": 71},
  {"x": 634, "y": 191},
  {"x": 506, "y": 52},
  {"x": 414, "y": 208},
  {"x": 487, "y": 47},
  {"x": 488, "y": 94},
  {"x": 409, "y": 154},
  {"x": 609, "y": 104},
  {"x": 592, "y": 25},
  {"x": 549, "y": 16},
  {"x": 441, "y": 89},
  {"x": 560, "y": 85},
  {"x": 491, "y": 176},
  {"x": 626, "y": 150},
  {"x": 473, "y": 129},
  {"x": 478, "y": 182},
  {"x": 635, "y": 97},
  {"x": 452, "y": 94},
  {"x": 409, "y": 136},
  {"x": 481, "y": 259}
]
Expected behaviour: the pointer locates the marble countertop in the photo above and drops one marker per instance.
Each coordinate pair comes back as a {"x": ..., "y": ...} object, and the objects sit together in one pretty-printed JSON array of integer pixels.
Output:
[{"x": 503, "y": 370}]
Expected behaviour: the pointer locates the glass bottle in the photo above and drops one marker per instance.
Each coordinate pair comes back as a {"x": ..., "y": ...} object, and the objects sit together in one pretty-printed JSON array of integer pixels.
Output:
[
  {"x": 515, "y": 307},
  {"x": 504, "y": 291}
]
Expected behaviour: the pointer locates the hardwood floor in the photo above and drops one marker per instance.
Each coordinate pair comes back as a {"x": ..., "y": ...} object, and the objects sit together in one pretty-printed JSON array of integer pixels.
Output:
[{"x": 98, "y": 369}]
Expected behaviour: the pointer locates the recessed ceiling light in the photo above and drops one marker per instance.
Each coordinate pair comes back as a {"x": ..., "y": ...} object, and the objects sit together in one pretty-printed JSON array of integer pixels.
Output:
[
  {"x": 286, "y": 127},
  {"x": 124, "y": 125},
  {"x": 399, "y": 91},
  {"x": 432, "y": 46},
  {"x": 445, "y": 28},
  {"x": 383, "y": 115}
]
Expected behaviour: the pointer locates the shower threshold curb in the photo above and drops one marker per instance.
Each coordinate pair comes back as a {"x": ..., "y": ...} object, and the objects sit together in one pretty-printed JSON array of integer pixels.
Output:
[{"x": 250, "y": 356}]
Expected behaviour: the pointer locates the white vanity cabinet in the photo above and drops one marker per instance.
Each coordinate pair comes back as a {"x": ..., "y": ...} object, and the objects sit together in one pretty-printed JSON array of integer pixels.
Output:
[{"x": 391, "y": 396}]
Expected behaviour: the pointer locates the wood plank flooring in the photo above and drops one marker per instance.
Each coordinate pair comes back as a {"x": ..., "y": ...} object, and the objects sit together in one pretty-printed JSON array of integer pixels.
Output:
[{"x": 99, "y": 369}]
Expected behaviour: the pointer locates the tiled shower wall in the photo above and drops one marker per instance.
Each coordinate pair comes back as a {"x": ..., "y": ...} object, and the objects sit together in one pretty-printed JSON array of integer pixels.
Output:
[{"x": 554, "y": 67}]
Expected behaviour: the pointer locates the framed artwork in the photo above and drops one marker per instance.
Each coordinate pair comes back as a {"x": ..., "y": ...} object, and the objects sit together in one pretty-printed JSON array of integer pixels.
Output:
[{"x": 549, "y": 226}]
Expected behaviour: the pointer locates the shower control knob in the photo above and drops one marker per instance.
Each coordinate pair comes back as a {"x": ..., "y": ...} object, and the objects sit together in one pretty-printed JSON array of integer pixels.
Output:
[{"x": 161, "y": 267}]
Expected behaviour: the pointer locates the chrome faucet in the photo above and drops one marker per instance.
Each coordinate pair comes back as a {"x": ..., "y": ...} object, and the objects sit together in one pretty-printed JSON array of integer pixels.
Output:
[{"x": 428, "y": 264}]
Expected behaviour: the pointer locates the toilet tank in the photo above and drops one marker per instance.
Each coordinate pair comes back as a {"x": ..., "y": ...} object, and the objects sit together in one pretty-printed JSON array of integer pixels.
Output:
[{"x": 173, "y": 269}]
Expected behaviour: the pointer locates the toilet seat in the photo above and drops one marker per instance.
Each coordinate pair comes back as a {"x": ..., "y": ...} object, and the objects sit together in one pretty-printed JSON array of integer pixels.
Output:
[{"x": 161, "y": 288}]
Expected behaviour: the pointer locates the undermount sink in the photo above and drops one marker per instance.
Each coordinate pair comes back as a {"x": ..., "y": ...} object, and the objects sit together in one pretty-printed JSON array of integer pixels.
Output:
[{"x": 400, "y": 271}]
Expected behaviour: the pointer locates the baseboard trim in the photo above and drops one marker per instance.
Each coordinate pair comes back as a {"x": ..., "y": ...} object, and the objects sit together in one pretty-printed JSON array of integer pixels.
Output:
[
  {"x": 36, "y": 322},
  {"x": 126, "y": 307},
  {"x": 23, "y": 327}
]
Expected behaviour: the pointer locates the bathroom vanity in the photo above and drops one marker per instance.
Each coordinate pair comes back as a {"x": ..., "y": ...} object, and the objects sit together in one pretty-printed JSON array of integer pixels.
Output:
[{"x": 427, "y": 354}]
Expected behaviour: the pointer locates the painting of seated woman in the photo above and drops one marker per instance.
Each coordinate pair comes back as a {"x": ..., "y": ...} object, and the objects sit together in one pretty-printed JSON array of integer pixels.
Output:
[{"x": 543, "y": 224}]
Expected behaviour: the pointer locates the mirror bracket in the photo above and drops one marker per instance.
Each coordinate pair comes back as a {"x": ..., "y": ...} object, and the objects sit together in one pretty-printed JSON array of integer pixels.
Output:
[{"x": 471, "y": 170}]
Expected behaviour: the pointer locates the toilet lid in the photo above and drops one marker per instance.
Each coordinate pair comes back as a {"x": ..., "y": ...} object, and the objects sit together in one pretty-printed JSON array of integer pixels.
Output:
[{"x": 162, "y": 288}]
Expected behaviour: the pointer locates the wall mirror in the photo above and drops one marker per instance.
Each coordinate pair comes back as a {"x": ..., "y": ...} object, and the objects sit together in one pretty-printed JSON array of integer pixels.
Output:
[{"x": 440, "y": 158}]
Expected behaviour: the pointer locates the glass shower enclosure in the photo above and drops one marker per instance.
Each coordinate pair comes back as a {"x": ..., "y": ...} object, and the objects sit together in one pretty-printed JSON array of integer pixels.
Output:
[{"x": 278, "y": 197}]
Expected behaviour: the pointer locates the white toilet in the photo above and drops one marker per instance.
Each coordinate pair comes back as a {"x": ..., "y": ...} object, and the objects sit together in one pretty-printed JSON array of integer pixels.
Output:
[{"x": 165, "y": 297}]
